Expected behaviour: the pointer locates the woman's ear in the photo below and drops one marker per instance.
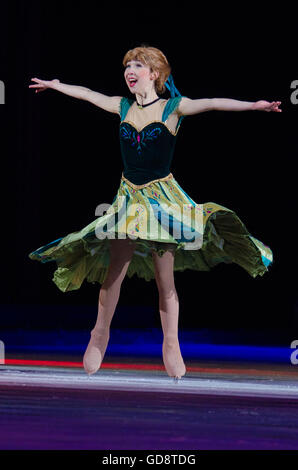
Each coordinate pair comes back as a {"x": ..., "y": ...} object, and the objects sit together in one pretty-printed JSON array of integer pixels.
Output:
[{"x": 154, "y": 75}]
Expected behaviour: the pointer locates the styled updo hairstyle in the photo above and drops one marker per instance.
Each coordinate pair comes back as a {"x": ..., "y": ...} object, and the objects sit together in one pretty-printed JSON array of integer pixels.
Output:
[{"x": 155, "y": 59}]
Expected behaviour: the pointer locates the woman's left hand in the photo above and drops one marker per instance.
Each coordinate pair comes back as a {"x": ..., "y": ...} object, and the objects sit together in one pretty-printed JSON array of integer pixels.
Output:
[{"x": 266, "y": 106}]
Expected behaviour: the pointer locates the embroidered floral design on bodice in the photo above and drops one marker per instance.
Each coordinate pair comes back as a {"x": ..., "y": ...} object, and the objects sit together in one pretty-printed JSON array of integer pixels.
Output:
[{"x": 139, "y": 139}]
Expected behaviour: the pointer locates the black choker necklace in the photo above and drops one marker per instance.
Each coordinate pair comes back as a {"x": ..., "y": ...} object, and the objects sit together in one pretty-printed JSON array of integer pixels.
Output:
[{"x": 141, "y": 106}]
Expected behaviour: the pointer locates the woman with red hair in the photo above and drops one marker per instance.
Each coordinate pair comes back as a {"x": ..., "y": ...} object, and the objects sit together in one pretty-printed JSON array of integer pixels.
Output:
[{"x": 153, "y": 227}]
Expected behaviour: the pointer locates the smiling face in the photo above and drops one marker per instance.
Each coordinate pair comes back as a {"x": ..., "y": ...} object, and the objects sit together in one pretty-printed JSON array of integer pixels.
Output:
[{"x": 138, "y": 76}]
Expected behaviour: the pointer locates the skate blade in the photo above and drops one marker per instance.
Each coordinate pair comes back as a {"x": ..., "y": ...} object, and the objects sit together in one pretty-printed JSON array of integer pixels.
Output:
[{"x": 176, "y": 379}]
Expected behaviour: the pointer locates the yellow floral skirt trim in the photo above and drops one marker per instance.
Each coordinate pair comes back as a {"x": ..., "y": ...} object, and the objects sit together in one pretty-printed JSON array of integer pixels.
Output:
[{"x": 141, "y": 186}]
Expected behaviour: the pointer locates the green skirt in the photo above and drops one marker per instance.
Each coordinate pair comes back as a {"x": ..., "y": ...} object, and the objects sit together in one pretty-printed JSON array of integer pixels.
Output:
[{"x": 157, "y": 217}]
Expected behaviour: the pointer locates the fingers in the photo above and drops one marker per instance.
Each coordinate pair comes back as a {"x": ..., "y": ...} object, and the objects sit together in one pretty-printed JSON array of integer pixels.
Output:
[
  {"x": 37, "y": 80},
  {"x": 271, "y": 106},
  {"x": 34, "y": 86},
  {"x": 40, "y": 85},
  {"x": 39, "y": 88},
  {"x": 274, "y": 106}
]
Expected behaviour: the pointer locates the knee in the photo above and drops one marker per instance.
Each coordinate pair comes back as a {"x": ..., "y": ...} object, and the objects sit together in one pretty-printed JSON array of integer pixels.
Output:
[
  {"x": 117, "y": 269},
  {"x": 115, "y": 275},
  {"x": 113, "y": 279},
  {"x": 166, "y": 290}
]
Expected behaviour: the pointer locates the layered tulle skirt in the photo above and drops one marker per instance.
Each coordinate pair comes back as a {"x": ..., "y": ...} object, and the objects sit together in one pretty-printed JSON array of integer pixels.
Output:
[{"x": 156, "y": 217}]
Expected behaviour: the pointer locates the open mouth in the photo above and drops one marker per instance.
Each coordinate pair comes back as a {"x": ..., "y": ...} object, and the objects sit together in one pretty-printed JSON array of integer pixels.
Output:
[{"x": 132, "y": 82}]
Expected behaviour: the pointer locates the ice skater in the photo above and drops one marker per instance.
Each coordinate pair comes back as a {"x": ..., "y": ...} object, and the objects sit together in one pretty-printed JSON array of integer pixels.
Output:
[{"x": 148, "y": 130}]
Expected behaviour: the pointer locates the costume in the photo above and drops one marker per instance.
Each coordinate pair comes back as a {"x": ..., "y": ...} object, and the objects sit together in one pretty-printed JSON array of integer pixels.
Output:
[{"x": 152, "y": 209}]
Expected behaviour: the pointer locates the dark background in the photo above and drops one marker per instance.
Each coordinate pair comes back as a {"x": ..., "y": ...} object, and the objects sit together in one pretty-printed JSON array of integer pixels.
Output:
[{"x": 62, "y": 156}]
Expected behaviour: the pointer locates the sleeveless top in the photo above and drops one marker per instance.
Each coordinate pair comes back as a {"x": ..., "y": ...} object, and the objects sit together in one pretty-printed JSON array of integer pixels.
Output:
[{"x": 147, "y": 138}]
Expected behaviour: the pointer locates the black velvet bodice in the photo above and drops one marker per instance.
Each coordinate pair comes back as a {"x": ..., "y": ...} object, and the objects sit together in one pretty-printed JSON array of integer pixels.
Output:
[{"x": 147, "y": 153}]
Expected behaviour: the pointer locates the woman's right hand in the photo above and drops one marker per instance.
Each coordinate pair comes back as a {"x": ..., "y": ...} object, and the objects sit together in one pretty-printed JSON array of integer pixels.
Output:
[{"x": 43, "y": 84}]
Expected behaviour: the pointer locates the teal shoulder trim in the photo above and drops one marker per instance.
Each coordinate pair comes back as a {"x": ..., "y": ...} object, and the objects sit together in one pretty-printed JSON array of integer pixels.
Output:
[
  {"x": 125, "y": 104},
  {"x": 170, "y": 107}
]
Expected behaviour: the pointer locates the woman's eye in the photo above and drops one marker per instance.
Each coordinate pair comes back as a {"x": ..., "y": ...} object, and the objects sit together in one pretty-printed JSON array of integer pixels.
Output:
[{"x": 136, "y": 65}]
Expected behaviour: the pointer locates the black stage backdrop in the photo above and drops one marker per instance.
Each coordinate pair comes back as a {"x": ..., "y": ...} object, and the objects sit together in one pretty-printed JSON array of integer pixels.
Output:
[{"x": 63, "y": 155}]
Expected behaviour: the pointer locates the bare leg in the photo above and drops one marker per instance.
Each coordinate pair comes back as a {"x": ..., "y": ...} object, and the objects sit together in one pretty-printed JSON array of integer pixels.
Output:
[
  {"x": 121, "y": 252},
  {"x": 169, "y": 313}
]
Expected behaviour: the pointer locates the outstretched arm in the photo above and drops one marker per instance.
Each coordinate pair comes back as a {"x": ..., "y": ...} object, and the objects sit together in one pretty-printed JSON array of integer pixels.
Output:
[
  {"x": 188, "y": 106},
  {"x": 108, "y": 103}
]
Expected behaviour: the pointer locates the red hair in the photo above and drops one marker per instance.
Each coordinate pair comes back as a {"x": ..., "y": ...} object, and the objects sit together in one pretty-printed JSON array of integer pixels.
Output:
[{"x": 155, "y": 59}]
